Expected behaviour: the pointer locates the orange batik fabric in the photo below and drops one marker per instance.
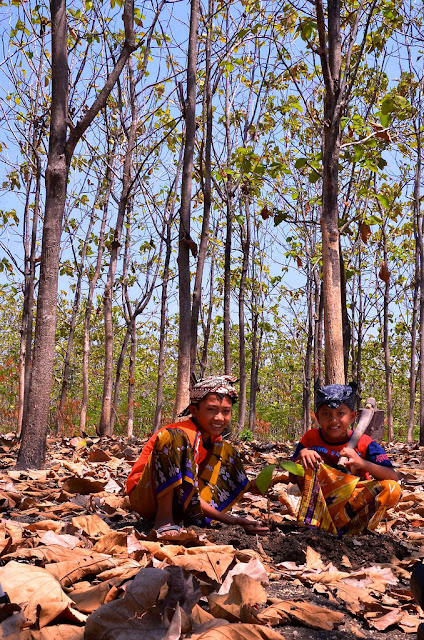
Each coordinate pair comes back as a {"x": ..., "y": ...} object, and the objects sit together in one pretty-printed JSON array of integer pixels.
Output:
[{"x": 342, "y": 503}]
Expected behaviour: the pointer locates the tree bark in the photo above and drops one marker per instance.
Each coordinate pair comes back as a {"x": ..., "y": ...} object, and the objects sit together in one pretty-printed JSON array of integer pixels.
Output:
[
  {"x": 89, "y": 304},
  {"x": 105, "y": 424},
  {"x": 245, "y": 244},
  {"x": 131, "y": 379},
  {"x": 207, "y": 196},
  {"x": 416, "y": 299},
  {"x": 70, "y": 344},
  {"x": 386, "y": 345},
  {"x": 184, "y": 338},
  {"x": 36, "y": 420}
]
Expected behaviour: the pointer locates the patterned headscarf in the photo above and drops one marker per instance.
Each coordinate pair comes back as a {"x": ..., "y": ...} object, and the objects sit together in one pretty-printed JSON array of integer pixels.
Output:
[
  {"x": 223, "y": 385},
  {"x": 333, "y": 395}
]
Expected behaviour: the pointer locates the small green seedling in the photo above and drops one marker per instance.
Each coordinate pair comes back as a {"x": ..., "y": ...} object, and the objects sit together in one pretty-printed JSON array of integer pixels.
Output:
[{"x": 264, "y": 478}]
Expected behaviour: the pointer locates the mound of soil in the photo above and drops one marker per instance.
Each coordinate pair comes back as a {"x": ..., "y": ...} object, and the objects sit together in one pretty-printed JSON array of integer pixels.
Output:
[{"x": 291, "y": 546}]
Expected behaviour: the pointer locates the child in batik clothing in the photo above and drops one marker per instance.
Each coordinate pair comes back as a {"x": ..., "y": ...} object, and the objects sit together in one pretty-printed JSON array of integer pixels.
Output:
[
  {"x": 186, "y": 472},
  {"x": 343, "y": 503}
]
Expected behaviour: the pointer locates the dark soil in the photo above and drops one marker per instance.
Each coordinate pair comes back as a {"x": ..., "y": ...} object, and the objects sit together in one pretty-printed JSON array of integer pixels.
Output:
[{"x": 291, "y": 546}]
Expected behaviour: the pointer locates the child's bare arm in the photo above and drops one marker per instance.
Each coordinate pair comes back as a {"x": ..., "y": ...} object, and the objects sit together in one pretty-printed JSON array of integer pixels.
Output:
[{"x": 378, "y": 471}]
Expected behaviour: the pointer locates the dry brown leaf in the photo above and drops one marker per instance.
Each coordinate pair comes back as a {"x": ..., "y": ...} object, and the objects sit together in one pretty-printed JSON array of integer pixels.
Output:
[
  {"x": 409, "y": 623},
  {"x": 114, "y": 543},
  {"x": 365, "y": 231},
  {"x": 126, "y": 570},
  {"x": 136, "y": 614},
  {"x": 88, "y": 600},
  {"x": 45, "y": 525},
  {"x": 214, "y": 565},
  {"x": 238, "y": 632},
  {"x": 307, "y": 614},
  {"x": 63, "y": 540},
  {"x": 384, "y": 273},
  {"x": 92, "y": 525},
  {"x": 313, "y": 559},
  {"x": 216, "y": 548},
  {"x": 388, "y": 620},
  {"x": 57, "y": 632},
  {"x": 35, "y": 590},
  {"x": 83, "y": 485},
  {"x": 244, "y": 592},
  {"x": 70, "y": 571},
  {"x": 161, "y": 551},
  {"x": 98, "y": 455}
]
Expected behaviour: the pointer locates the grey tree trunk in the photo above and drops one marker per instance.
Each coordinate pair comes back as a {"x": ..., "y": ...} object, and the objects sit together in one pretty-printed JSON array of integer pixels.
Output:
[
  {"x": 184, "y": 338},
  {"x": 207, "y": 195},
  {"x": 36, "y": 419},
  {"x": 245, "y": 244}
]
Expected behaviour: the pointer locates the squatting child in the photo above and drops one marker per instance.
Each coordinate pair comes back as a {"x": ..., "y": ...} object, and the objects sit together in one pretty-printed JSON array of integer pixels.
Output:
[
  {"x": 186, "y": 472},
  {"x": 343, "y": 503}
]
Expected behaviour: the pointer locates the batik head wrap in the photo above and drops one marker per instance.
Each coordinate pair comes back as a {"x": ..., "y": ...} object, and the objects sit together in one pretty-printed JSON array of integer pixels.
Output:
[
  {"x": 224, "y": 385},
  {"x": 333, "y": 395}
]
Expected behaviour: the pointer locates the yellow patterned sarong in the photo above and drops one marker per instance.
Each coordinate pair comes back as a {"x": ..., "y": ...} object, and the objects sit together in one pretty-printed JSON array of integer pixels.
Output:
[{"x": 342, "y": 503}]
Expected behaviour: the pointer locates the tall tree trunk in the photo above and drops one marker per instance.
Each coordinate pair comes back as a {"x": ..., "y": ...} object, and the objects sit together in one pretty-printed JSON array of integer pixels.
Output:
[
  {"x": 184, "y": 338},
  {"x": 75, "y": 309},
  {"x": 319, "y": 312},
  {"x": 35, "y": 424},
  {"x": 104, "y": 427},
  {"x": 91, "y": 288},
  {"x": 416, "y": 297},
  {"x": 164, "y": 296},
  {"x": 245, "y": 244},
  {"x": 30, "y": 246},
  {"x": 36, "y": 419},
  {"x": 360, "y": 336},
  {"x": 330, "y": 53},
  {"x": 208, "y": 324},
  {"x": 386, "y": 345},
  {"x": 421, "y": 325},
  {"x": 347, "y": 331},
  {"x": 307, "y": 365},
  {"x": 30, "y": 288},
  {"x": 207, "y": 195},
  {"x": 162, "y": 331},
  {"x": 229, "y": 231},
  {"x": 131, "y": 379}
]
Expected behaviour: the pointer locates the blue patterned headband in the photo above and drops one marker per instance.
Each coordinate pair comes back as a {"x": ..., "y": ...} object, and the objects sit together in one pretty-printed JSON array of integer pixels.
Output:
[{"x": 333, "y": 395}]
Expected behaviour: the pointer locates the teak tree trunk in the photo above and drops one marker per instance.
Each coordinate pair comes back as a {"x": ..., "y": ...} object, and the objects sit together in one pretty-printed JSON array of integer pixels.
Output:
[
  {"x": 36, "y": 419},
  {"x": 206, "y": 175},
  {"x": 184, "y": 339},
  {"x": 337, "y": 89}
]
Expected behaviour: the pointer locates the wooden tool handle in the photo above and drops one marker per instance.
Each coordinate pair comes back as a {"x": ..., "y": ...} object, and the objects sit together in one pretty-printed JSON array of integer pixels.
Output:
[{"x": 366, "y": 417}]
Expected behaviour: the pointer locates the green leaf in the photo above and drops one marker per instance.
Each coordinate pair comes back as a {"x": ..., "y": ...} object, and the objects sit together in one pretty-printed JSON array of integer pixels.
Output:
[
  {"x": 293, "y": 467},
  {"x": 383, "y": 199},
  {"x": 240, "y": 219},
  {"x": 314, "y": 176},
  {"x": 279, "y": 217},
  {"x": 264, "y": 478},
  {"x": 300, "y": 162}
]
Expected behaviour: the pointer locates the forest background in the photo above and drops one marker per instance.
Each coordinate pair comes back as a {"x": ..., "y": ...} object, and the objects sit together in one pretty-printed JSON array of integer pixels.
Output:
[{"x": 253, "y": 195}]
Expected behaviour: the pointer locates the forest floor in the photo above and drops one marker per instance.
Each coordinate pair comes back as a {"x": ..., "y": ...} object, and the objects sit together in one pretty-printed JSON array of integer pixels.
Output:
[{"x": 77, "y": 562}]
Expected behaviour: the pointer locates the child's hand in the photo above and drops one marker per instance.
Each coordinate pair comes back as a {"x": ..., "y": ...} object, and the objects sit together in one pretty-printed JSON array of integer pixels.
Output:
[
  {"x": 310, "y": 459},
  {"x": 354, "y": 461},
  {"x": 251, "y": 525}
]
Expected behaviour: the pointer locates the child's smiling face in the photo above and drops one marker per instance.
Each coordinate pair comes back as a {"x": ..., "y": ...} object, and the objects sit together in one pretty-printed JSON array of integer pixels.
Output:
[{"x": 335, "y": 423}]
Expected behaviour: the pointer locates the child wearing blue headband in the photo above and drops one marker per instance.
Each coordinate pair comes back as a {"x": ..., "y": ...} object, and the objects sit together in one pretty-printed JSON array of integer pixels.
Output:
[{"x": 331, "y": 499}]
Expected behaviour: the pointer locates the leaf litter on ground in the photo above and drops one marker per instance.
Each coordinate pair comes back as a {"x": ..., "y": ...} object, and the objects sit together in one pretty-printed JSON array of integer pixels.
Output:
[{"x": 77, "y": 562}]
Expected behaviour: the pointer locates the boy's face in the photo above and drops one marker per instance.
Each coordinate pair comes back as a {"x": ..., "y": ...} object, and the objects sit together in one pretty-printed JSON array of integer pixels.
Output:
[
  {"x": 212, "y": 414},
  {"x": 335, "y": 423}
]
